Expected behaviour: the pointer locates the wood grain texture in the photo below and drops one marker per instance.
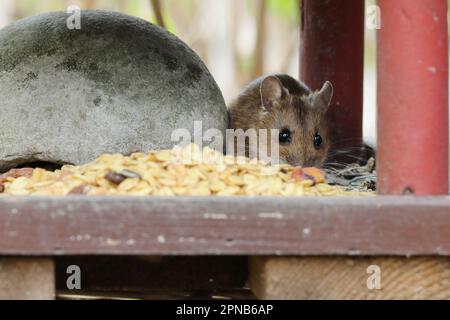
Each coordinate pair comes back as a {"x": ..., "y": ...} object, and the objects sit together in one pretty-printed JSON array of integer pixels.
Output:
[
  {"x": 225, "y": 225},
  {"x": 346, "y": 277},
  {"x": 27, "y": 279}
]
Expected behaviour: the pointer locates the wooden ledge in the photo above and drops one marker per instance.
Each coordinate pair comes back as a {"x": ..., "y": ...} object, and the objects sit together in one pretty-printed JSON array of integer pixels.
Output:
[{"x": 225, "y": 225}]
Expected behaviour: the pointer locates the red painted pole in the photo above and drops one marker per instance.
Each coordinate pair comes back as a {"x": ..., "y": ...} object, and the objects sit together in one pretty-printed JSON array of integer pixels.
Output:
[
  {"x": 413, "y": 97},
  {"x": 332, "y": 48}
]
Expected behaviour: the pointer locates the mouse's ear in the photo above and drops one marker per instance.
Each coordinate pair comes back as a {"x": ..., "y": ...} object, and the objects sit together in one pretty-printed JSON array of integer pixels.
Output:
[
  {"x": 271, "y": 90},
  {"x": 323, "y": 97}
]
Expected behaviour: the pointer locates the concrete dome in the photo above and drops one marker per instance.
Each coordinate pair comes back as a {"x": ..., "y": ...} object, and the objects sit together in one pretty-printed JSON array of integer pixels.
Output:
[{"x": 118, "y": 84}]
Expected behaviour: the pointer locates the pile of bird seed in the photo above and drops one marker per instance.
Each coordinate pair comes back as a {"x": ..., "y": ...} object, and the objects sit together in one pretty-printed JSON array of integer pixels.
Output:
[{"x": 178, "y": 171}]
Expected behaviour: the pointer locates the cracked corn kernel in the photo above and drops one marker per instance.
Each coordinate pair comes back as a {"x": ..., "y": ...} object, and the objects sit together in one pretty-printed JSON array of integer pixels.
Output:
[{"x": 179, "y": 171}]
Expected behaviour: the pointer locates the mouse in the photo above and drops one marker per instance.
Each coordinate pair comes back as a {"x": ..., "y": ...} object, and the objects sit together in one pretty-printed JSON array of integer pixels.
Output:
[{"x": 279, "y": 101}]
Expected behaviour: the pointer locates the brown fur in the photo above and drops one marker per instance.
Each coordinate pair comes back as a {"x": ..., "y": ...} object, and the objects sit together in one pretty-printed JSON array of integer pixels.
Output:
[{"x": 293, "y": 111}]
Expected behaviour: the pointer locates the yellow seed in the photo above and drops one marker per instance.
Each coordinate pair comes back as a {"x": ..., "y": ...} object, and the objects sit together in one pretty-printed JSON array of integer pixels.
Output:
[
  {"x": 200, "y": 191},
  {"x": 18, "y": 187},
  {"x": 128, "y": 184},
  {"x": 236, "y": 180},
  {"x": 180, "y": 171},
  {"x": 229, "y": 191},
  {"x": 163, "y": 156},
  {"x": 307, "y": 183},
  {"x": 217, "y": 185}
]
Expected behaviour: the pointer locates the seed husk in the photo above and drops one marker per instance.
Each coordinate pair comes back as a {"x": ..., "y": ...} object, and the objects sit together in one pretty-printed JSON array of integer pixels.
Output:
[{"x": 115, "y": 177}]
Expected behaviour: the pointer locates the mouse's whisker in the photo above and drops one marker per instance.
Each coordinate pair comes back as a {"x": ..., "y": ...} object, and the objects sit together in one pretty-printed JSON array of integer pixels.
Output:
[
  {"x": 335, "y": 164},
  {"x": 330, "y": 168},
  {"x": 359, "y": 140},
  {"x": 346, "y": 153}
]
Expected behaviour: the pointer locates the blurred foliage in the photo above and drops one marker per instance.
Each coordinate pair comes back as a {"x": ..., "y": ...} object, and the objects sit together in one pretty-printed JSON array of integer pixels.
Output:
[{"x": 288, "y": 9}]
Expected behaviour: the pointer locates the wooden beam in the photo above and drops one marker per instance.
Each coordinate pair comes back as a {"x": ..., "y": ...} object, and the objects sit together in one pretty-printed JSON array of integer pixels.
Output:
[
  {"x": 346, "y": 277},
  {"x": 26, "y": 279},
  {"x": 332, "y": 48},
  {"x": 412, "y": 98},
  {"x": 225, "y": 225}
]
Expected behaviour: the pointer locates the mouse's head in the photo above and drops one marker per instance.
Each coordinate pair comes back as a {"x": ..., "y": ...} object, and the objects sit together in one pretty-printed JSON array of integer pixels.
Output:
[{"x": 300, "y": 118}]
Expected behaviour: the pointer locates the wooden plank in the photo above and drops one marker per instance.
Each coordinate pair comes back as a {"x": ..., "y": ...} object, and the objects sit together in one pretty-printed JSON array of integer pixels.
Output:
[
  {"x": 131, "y": 274},
  {"x": 26, "y": 279},
  {"x": 225, "y": 225},
  {"x": 346, "y": 277}
]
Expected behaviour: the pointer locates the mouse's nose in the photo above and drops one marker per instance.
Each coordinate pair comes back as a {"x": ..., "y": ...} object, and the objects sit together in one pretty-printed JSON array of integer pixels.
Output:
[
  {"x": 293, "y": 161},
  {"x": 310, "y": 162}
]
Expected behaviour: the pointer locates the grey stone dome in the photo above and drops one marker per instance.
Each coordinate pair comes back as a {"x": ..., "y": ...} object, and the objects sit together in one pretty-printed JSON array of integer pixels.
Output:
[{"x": 119, "y": 84}]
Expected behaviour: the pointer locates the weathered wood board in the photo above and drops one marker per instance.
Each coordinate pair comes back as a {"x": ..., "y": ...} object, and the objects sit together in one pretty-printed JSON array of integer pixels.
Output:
[
  {"x": 26, "y": 279},
  {"x": 350, "y": 277},
  {"x": 225, "y": 225}
]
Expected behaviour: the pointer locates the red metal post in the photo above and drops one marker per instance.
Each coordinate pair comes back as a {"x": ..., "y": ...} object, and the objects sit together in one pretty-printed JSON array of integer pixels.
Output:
[
  {"x": 332, "y": 48},
  {"x": 413, "y": 97}
]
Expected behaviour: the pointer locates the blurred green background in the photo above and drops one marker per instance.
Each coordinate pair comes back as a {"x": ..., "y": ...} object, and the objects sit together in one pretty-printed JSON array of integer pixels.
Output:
[{"x": 237, "y": 39}]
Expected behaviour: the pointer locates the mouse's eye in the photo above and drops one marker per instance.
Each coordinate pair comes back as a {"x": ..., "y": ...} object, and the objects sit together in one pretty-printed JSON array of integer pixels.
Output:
[
  {"x": 285, "y": 136},
  {"x": 317, "y": 140}
]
